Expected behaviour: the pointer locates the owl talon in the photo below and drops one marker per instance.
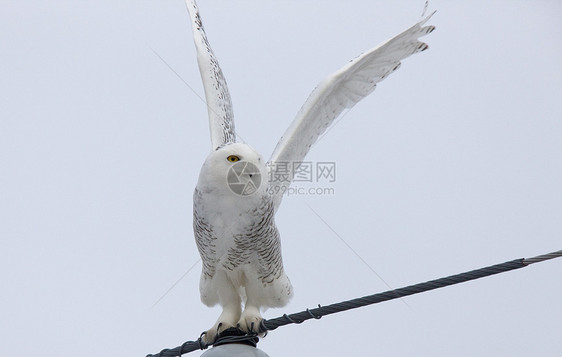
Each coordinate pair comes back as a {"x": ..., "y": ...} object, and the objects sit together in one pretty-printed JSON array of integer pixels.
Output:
[
  {"x": 249, "y": 320},
  {"x": 210, "y": 336}
]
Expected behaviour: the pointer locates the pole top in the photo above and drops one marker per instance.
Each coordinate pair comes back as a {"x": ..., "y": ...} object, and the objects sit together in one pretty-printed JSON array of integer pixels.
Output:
[{"x": 234, "y": 349}]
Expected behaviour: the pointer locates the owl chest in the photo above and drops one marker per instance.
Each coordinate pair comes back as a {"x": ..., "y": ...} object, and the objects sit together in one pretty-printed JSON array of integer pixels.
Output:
[
  {"x": 233, "y": 224},
  {"x": 231, "y": 219}
]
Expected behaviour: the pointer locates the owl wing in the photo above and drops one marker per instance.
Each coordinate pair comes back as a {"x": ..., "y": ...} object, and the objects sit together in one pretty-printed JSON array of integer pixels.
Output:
[
  {"x": 341, "y": 90},
  {"x": 219, "y": 106},
  {"x": 204, "y": 237}
]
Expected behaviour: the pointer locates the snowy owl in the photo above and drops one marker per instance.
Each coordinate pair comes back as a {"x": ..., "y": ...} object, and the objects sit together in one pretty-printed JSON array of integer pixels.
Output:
[{"x": 234, "y": 204}]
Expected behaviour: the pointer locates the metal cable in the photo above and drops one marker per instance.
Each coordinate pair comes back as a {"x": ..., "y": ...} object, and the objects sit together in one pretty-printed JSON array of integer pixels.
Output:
[
  {"x": 542, "y": 258},
  {"x": 320, "y": 311},
  {"x": 390, "y": 294}
]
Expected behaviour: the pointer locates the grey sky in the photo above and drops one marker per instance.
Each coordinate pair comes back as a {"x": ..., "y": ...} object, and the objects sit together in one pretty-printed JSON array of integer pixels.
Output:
[{"x": 453, "y": 163}]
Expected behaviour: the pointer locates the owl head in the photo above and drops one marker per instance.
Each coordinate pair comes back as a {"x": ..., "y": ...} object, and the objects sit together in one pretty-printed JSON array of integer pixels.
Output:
[{"x": 235, "y": 169}]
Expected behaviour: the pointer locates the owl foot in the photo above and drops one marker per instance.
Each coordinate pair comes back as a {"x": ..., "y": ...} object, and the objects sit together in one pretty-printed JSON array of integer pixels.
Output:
[
  {"x": 210, "y": 335},
  {"x": 250, "y": 320}
]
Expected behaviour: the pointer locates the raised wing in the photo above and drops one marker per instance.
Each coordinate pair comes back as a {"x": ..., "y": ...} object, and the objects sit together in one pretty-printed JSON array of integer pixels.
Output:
[
  {"x": 341, "y": 90},
  {"x": 221, "y": 118}
]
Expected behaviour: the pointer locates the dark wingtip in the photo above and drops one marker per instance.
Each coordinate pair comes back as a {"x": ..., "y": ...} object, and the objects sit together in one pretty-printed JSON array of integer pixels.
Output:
[{"x": 422, "y": 47}]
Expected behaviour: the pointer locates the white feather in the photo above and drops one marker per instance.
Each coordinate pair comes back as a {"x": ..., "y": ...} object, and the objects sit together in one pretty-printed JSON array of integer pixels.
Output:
[
  {"x": 219, "y": 106},
  {"x": 342, "y": 89}
]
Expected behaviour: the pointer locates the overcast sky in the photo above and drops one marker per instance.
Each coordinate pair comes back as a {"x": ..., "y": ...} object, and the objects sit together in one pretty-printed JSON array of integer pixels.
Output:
[{"x": 453, "y": 163}]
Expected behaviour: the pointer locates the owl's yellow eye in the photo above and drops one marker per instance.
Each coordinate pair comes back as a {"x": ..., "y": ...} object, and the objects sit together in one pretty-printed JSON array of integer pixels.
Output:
[{"x": 233, "y": 158}]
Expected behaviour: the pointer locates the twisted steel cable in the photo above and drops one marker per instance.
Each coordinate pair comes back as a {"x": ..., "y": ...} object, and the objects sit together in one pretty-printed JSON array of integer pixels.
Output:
[{"x": 316, "y": 313}]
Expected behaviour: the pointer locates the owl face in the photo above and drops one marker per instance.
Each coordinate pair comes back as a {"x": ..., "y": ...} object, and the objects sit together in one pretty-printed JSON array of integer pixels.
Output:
[{"x": 235, "y": 169}]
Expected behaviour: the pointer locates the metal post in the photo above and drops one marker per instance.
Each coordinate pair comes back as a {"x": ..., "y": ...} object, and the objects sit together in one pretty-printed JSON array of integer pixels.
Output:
[{"x": 234, "y": 349}]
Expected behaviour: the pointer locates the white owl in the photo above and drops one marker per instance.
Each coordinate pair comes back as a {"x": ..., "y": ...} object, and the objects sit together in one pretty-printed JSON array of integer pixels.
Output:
[{"x": 234, "y": 204}]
